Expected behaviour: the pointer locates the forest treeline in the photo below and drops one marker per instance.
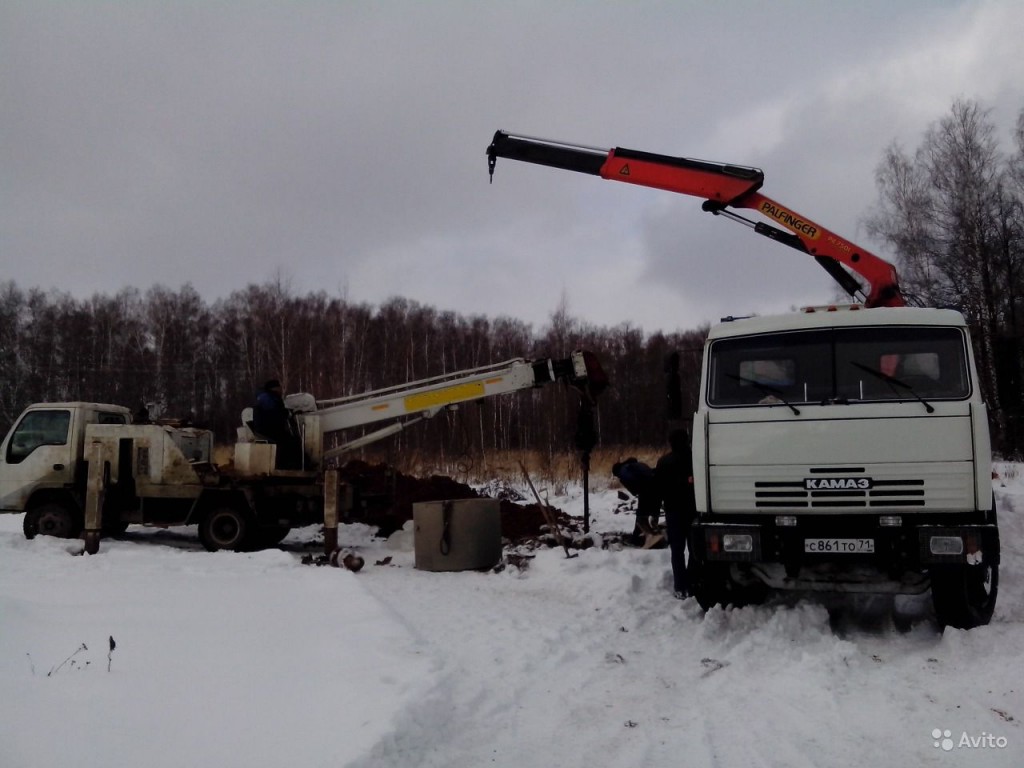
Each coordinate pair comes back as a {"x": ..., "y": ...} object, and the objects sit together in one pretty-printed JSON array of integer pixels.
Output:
[
  {"x": 951, "y": 212},
  {"x": 187, "y": 358}
]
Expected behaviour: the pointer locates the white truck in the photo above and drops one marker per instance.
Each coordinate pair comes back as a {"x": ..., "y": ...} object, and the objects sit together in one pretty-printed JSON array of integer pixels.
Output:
[
  {"x": 842, "y": 449},
  {"x": 83, "y": 468},
  {"x": 845, "y": 450}
]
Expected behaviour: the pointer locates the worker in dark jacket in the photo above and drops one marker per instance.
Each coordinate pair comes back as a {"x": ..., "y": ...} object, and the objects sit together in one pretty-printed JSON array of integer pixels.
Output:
[
  {"x": 638, "y": 478},
  {"x": 271, "y": 420},
  {"x": 674, "y": 477}
]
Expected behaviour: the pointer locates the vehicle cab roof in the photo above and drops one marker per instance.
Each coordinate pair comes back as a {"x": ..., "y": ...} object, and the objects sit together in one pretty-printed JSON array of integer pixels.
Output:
[
  {"x": 840, "y": 316},
  {"x": 78, "y": 404}
]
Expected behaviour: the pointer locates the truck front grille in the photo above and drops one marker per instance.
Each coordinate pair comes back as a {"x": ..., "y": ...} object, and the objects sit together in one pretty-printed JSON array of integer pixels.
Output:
[
  {"x": 883, "y": 493},
  {"x": 934, "y": 487}
]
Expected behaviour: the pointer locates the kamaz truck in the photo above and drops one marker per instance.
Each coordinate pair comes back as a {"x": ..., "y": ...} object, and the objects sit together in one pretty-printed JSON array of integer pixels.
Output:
[{"x": 844, "y": 448}]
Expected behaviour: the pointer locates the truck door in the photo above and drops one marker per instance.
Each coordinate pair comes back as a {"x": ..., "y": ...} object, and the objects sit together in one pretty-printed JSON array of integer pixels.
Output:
[{"x": 37, "y": 452}]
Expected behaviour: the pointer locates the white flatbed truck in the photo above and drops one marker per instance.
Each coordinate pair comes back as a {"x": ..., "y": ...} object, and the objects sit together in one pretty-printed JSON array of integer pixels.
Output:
[{"x": 82, "y": 469}]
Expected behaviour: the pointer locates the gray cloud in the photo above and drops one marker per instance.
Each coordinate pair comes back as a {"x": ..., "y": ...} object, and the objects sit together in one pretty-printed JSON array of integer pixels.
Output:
[{"x": 342, "y": 144}]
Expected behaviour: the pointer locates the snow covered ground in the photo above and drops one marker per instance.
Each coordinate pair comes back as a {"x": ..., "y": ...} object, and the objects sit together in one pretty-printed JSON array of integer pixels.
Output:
[{"x": 258, "y": 660}]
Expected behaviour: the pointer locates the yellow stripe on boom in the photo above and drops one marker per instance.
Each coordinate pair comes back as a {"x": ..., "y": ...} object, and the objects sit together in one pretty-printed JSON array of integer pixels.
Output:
[{"x": 453, "y": 394}]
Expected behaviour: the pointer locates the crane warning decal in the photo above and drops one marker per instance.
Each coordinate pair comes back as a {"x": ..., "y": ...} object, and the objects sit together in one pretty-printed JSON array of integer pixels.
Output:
[
  {"x": 454, "y": 394},
  {"x": 789, "y": 220},
  {"x": 624, "y": 170}
]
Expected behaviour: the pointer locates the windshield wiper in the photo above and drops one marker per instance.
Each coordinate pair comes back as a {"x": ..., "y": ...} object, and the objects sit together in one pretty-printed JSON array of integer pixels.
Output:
[
  {"x": 893, "y": 383},
  {"x": 772, "y": 391}
]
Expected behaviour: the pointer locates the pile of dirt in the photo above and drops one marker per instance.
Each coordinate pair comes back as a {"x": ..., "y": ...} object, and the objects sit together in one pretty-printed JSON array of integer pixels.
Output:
[{"x": 384, "y": 498}]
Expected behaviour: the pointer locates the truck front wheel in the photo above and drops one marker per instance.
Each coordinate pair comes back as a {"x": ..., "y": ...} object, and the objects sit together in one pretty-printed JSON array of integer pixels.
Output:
[
  {"x": 964, "y": 596},
  {"x": 226, "y": 528},
  {"x": 709, "y": 582},
  {"x": 52, "y": 519}
]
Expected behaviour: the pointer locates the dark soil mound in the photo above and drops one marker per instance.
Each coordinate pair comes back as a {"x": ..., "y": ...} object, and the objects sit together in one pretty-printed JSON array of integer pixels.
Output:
[{"x": 384, "y": 498}]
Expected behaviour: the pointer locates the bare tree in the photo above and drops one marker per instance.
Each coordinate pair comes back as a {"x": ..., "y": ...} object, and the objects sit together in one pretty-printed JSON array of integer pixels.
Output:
[{"x": 953, "y": 215}]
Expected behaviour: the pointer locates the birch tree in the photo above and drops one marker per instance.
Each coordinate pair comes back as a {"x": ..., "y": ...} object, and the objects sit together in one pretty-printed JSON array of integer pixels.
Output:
[{"x": 952, "y": 214}]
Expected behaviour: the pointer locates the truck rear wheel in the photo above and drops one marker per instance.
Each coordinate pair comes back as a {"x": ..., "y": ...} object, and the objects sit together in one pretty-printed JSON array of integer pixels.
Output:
[
  {"x": 52, "y": 519},
  {"x": 226, "y": 528},
  {"x": 964, "y": 596}
]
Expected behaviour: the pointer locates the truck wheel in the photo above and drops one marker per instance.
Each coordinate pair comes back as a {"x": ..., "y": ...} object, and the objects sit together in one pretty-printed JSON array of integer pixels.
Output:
[
  {"x": 709, "y": 582},
  {"x": 964, "y": 596},
  {"x": 52, "y": 519},
  {"x": 226, "y": 528}
]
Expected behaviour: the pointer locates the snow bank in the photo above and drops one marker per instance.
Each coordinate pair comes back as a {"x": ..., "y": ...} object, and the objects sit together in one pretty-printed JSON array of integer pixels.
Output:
[
  {"x": 257, "y": 660},
  {"x": 221, "y": 659}
]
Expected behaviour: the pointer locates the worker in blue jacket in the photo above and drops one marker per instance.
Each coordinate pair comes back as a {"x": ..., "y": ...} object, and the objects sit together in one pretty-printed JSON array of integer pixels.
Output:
[
  {"x": 638, "y": 478},
  {"x": 271, "y": 420}
]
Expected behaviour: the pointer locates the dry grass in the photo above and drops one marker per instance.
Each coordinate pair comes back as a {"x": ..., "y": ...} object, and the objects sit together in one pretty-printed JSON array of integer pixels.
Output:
[{"x": 555, "y": 470}]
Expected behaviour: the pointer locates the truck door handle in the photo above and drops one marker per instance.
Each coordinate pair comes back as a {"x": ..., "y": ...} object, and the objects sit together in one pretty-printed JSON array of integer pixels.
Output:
[{"x": 58, "y": 467}]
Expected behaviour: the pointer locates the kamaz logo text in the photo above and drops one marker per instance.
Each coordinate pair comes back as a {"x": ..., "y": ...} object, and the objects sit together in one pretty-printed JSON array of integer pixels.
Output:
[{"x": 837, "y": 483}]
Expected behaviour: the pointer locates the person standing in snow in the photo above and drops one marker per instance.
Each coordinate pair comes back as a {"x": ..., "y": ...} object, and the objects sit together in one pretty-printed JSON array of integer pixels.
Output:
[
  {"x": 674, "y": 478},
  {"x": 638, "y": 478}
]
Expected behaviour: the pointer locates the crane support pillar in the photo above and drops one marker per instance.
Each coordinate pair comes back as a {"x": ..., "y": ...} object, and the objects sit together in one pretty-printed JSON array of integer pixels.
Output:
[
  {"x": 94, "y": 492},
  {"x": 332, "y": 498}
]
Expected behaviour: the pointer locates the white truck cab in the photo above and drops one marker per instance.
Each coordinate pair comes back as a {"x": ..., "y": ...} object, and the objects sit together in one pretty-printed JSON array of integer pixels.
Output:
[
  {"x": 40, "y": 456},
  {"x": 845, "y": 449}
]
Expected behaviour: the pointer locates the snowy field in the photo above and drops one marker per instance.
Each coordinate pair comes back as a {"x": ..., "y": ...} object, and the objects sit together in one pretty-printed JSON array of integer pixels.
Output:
[{"x": 255, "y": 660}]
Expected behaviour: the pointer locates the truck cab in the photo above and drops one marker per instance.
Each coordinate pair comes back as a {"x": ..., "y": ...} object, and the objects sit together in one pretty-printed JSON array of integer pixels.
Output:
[
  {"x": 845, "y": 449},
  {"x": 41, "y": 456}
]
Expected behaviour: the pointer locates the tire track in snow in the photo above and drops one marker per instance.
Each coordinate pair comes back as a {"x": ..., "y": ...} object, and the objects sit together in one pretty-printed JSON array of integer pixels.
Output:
[{"x": 589, "y": 662}]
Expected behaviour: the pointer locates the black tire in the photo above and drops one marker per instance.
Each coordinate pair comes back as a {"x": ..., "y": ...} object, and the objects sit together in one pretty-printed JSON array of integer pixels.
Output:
[
  {"x": 52, "y": 519},
  {"x": 226, "y": 528},
  {"x": 964, "y": 596},
  {"x": 709, "y": 582},
  {"x": 754, "y": 593}
]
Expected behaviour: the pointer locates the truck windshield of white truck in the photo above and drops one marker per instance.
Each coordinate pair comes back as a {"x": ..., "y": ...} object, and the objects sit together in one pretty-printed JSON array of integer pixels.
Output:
[
  {"x": 839, "y": 366},
  {"x": 38, "y": 428}
]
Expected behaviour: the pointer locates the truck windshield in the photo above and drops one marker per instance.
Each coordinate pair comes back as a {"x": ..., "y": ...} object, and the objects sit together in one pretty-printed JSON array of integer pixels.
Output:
[
  {"x": 35, "y": 429},
  {"x": 840, "y": 365}
]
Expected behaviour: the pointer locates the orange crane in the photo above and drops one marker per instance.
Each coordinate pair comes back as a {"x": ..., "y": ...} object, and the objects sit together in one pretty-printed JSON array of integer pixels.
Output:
[{"x": 722, "y": 186}]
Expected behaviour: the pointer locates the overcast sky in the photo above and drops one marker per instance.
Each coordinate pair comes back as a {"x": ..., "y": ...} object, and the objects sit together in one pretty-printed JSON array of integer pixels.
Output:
[{"x": 340, "y": 145}]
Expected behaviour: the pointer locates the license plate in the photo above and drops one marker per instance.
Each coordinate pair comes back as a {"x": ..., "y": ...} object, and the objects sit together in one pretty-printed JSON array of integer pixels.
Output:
[{"x": 839, "y": 546}]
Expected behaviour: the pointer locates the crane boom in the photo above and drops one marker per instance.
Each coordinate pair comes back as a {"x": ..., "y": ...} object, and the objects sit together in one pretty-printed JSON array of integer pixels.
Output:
[
  {"x": 722, "y": 186},
  {"x": 409, "y": 403}
]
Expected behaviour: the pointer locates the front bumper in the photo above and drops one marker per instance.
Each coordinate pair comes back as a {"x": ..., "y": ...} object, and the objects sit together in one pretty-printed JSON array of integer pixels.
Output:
[{"x": 804, "y": 550}]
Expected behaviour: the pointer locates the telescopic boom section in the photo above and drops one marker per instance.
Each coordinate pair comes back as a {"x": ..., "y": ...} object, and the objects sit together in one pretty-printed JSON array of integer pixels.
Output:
[
  {"x": 720, "y": 185},
  {"x": 417, "y": 400}
]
